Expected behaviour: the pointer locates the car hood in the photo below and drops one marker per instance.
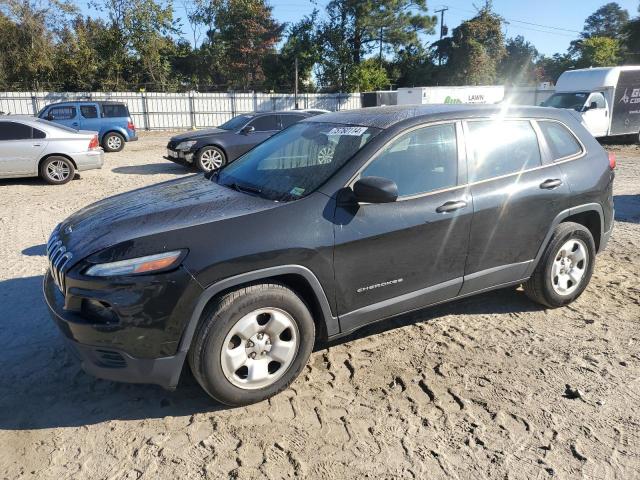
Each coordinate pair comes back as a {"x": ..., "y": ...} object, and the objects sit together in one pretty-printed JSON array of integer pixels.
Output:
[
  {"x": 197, "y": 134},
  {"x": 159, "y": 208}
]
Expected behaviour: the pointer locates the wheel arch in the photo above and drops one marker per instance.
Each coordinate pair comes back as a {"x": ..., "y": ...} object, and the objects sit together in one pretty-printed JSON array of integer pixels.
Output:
[
  {"x": 590, "y": 215},
  {"x": 300, "y": 279},
  {"x": 49, "y": 155},
  {"x": 118, "y": 130}
]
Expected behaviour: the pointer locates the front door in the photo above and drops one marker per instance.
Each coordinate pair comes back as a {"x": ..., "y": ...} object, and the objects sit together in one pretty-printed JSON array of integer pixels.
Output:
[
  {"x": 395, "y": 257},
  {"x": 596, "y": 115},
  {"x": 64, "y": 114},
  {"x": 264, "y": 127},
  {"x": 516, "y": 197}
]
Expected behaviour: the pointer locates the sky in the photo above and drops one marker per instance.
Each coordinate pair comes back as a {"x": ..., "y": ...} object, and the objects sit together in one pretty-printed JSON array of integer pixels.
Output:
[
  {"x": 565, "y": 16},
  {"x": 549, "y": 25}
]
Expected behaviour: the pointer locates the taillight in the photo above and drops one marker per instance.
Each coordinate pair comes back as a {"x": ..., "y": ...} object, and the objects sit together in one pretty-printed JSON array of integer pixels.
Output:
[
  {"x": 131, "y": 126},
  {"x": 93, "y": 144},
  {"x": 612, "y": 160}
]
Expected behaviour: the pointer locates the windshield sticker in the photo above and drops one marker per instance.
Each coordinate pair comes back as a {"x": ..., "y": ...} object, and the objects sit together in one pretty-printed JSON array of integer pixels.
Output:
[
  {"x": 297, "y": 191},
  {"x": 351, "y": 131}
]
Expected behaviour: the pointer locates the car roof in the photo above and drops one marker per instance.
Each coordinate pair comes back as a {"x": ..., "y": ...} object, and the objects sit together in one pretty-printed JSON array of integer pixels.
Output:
[
  {"x": 86, "y": 100},
  {"x": 388, "y": 116}
]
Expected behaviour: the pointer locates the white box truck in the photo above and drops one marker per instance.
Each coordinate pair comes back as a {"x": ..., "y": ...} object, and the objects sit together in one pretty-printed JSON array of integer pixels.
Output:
[
  {"x": 433, "y": 95},
  {"x": 607, "y": 99}
]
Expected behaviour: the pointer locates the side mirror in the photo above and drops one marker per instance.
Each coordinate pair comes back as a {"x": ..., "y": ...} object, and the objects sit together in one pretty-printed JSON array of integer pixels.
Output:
[
  {"x": 593, "y": 105},
  {"x": 50, "y": 117},
  {"x": 247, "y": 130},
  {"x": 375, "y": 190}
]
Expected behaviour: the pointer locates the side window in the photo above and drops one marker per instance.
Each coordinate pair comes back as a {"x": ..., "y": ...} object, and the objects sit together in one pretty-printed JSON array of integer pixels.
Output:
[
  {"x": 89, "y": 111},
  {"x": 265, "y": 123},
  {"x": 114, "y": 110},
  {"x": 14, "y": 131},
  {"x": 502, "y": 147},
  {"x": 598, "y": 98},
  {"x": 560, "y": 140},
  {"x": 420, "y": 161},
  {"x": 62, "y": 113},
  {"x": 287, "y": 120},
  {"x": 38, "y": 133}
]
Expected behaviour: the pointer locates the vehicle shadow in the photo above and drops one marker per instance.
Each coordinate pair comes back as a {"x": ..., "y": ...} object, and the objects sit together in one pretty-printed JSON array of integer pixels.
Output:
[
  {"x": 35, "y": 250},
  {"x": 42, "y": 386},
  {"x": 153, "y": 169},
  {"x": 627, "y": 208}
]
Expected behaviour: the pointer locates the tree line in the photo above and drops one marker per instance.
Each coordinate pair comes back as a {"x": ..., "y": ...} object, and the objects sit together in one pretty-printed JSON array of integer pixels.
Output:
[{"x": 221, "y": 45}]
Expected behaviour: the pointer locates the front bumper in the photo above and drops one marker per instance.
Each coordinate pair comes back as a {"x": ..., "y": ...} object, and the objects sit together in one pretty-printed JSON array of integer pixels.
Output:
[
  {"x": 138, "y": 342},
  {"x": 180, "y": 156},
  {"x": 89, "y": 160}
]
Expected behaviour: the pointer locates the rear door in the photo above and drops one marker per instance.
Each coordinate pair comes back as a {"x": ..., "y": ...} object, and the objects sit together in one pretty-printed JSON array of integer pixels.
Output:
[
  {"x": 90, "y": 117},
  {"x": 517, "y": 192},
  {"x": 394, "y": 257},
  {"x": 288, "y": 119},
  {"x": 19, "y": 150}
]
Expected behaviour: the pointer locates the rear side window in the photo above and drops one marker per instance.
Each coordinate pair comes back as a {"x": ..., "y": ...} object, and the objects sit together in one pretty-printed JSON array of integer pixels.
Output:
[
  {"x": 501, "y": 147},
  {"x": 561, "y": 141},
  {"x": 420, "y": 161},
  {"x": 287, "y": 120},
  {"x": 89, "y": 111},
  {"x": 62, "y": 113},
  {"x": 264, "y": 123},
  {"x": 112, "y": 110},
  {"x": 14, "y": 131}
]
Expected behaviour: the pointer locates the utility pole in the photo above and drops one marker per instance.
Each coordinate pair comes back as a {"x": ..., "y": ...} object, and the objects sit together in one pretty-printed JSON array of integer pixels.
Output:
[
  {"x": 295, "y": 88},
  {"x": 443, "y": 29}
]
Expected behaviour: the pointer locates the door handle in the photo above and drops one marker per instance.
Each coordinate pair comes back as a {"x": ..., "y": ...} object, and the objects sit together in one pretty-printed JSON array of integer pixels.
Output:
[
  {"x": 551, "y": 183},
  {"x": 451, "y": 206},
  {"x": 75, "y": 124},
  {"x": 36, "y": 145}
]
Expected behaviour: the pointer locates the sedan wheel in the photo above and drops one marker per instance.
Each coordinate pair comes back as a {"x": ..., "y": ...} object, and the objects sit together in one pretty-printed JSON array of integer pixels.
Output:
[
  {"x": 57, "y": 170},
  {"x": 210, "y": 159}
]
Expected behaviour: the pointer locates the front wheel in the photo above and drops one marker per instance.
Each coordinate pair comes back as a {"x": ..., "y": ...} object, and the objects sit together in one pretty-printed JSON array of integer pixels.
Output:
[
  {"x": 57, "y": 170},
  {"x": 209, "y": 159},
  {"x": 565, "y": 268},
  {"x": 252, "y": 343}
]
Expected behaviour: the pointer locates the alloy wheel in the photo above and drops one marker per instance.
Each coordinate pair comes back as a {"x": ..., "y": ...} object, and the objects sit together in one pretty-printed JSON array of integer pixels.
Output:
[
  {"x": 58, "y": 171},
  {"x": 211, "y": 159},
  {"x": 569, "y": 266},
  {"x": 114, "y": 142}
]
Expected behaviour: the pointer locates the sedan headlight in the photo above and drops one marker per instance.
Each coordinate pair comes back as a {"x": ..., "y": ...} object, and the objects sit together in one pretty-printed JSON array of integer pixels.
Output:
[
  {"x": 148, "y": 264},
  {"x": 186, "y": 145}
]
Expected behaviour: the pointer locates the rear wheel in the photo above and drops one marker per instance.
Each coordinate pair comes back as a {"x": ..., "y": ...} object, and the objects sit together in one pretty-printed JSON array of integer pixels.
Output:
[
  {"x": 209, "y": 159},
  {"x": 252, "y": 343},
  {"x": 113, "y": 142},
  {"x": 566, "y": 266},
  {"x": 57, "y": 170}
]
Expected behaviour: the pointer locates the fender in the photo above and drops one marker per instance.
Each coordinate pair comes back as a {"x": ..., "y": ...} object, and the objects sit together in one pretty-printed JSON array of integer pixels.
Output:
[
  {"x": 587, "y": 207},
  {"x": 330, "y": 321}
]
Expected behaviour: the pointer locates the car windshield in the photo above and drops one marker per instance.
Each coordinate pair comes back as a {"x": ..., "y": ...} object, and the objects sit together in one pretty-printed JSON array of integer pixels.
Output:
[
  {"x": 236, "y": 123},
  {"x": 573, "y": 100},
  {"x": 295, "y": 162}
]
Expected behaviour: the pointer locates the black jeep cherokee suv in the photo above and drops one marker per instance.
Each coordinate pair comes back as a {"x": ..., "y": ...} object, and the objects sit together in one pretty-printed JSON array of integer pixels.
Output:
[{"x": 336, "y": 222}]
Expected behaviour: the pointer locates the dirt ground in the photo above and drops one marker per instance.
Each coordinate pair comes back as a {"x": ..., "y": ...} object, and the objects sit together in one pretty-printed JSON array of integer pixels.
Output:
[{"x": 472, "y": 389}]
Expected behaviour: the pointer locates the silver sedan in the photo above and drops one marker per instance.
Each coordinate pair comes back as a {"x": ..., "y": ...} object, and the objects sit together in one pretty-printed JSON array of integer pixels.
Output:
[{"x": 31, "y": 147}]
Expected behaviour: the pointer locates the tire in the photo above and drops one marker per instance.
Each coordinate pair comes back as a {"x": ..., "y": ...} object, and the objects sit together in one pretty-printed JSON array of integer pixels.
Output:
[
  {"x": 561, "y": 276},
  {"x": 57, "y": 170},
  {"x": 113, "y": 142},
  {"x": 210, "y": 158},
  {"x": 237, "y": 354}
]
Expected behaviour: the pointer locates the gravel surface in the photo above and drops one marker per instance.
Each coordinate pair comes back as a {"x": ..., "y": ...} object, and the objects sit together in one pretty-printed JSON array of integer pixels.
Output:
[{"x": 493, "y": 386}]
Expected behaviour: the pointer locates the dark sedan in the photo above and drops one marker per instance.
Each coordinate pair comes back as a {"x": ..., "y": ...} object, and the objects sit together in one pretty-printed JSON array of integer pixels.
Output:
[{"x": 213, "y": 148}]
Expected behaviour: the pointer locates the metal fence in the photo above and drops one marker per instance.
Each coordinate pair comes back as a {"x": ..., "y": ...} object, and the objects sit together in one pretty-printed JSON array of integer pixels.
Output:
[{"x": 167, "y": 111}]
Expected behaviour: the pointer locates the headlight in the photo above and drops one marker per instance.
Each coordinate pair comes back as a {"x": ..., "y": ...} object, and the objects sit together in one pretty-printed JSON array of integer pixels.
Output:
[
  {"x": 148, "y": 264},
  {"x": 186, "y": 145}
]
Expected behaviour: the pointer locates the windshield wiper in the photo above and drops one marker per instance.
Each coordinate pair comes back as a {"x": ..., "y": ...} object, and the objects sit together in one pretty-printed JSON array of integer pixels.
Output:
[{"x": 244, "y": 188}]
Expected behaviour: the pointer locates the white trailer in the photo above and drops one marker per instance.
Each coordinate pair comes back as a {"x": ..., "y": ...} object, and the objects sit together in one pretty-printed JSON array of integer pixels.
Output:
[
  {"x": 607, "y": 99},
  {"x": 435, "y": 95}
]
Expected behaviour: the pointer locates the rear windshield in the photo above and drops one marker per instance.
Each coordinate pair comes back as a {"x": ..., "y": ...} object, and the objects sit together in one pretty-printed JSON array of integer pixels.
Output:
[{"x": 114, "y": 110}]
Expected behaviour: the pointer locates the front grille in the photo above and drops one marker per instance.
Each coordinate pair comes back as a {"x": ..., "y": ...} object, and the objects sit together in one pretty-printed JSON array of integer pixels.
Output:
[{"x": 59, "y": 258}]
